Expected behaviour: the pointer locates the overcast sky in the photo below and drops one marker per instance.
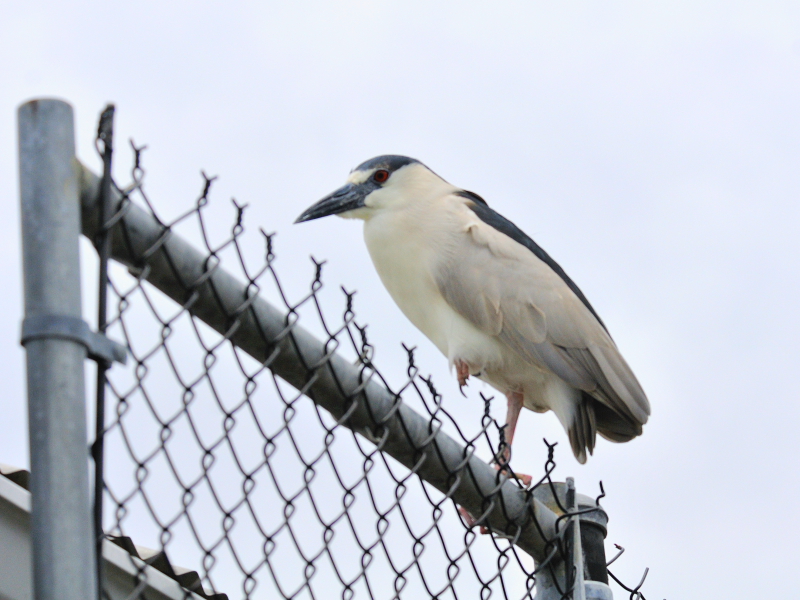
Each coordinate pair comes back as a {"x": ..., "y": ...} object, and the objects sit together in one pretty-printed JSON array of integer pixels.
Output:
[{"x": 652, "y": 150}]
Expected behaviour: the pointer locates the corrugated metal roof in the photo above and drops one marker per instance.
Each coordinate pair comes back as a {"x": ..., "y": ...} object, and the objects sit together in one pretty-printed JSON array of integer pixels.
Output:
[
  {"x": 19, "y": 476},
  {"x": 158, "y": 560}
]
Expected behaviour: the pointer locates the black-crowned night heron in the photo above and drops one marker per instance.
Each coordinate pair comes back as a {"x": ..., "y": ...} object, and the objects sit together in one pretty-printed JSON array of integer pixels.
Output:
[{"x": 495, "y": 304}]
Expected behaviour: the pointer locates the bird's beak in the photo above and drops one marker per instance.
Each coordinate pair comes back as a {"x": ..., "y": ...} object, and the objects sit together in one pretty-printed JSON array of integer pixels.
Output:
[{"x": 349, "y": 197}]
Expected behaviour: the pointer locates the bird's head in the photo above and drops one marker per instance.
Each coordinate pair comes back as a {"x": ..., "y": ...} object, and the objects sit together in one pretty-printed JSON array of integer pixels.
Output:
[{"x": 381, "y": 183}]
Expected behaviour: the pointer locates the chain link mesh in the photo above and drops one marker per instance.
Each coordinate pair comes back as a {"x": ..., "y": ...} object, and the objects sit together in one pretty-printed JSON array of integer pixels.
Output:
[{"x": 219, "y": 465}]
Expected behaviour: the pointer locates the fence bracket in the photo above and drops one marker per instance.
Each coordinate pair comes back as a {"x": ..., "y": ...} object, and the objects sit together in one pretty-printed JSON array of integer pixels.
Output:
[{"x": 98, "y": 346}]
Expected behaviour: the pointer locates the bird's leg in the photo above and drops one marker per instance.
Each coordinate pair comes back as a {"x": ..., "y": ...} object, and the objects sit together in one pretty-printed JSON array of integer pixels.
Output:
[
  {"x": 462, "y": 372},
  {"x": 515, "y": 402}
]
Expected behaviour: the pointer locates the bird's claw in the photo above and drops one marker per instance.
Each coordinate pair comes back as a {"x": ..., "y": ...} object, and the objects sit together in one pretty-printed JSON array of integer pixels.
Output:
[
  {"x": 526, "y": 480},
  {"x": 470, "y": 520},
  {"x": 462, "y": 372},
  {"x": 501, "y": 463}
]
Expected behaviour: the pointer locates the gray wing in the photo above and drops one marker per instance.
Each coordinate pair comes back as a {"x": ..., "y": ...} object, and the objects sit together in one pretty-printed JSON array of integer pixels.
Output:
[{"x": 508, "y": 291}]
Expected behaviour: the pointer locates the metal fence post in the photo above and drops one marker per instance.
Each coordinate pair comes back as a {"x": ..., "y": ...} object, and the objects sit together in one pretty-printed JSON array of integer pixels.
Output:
[
  {"x": 63, "y": 552},
  {"x": 586, "y": 558}
]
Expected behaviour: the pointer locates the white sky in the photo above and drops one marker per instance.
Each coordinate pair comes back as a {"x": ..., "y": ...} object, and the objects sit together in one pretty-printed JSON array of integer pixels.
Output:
[{"x": 650, "y": 148}]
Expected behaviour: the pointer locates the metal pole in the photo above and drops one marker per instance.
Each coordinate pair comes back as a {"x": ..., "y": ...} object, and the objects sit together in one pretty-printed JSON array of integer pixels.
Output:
[
  {"x": 585, "y": 558},
  {"x": 61, "y": 524},
  {"x": 575, "y": 578},
  {"x": 105, "y": 136}
]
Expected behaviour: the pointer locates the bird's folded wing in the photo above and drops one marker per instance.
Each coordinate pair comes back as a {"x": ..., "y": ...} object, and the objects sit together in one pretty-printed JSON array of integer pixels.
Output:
[{"x": 507, "y": 291}]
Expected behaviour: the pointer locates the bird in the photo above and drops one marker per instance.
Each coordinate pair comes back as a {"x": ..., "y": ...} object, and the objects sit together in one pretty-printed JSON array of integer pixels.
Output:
[{"x": 491, "y": 300}]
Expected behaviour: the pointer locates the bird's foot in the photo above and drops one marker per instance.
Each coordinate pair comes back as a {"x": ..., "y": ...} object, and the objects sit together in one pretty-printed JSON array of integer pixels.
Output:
[
  {"x": 526, "y": 480},
  {"x": 462, "y": 372},
  {"x": 502, "y": 462},
  {"x": 470, "y": 520}
]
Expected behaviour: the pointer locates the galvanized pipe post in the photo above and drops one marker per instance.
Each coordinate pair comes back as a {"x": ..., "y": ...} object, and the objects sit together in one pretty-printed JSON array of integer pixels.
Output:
[
  {"x": 61, "y": 522},
  {"x": 586, "y": 557}
]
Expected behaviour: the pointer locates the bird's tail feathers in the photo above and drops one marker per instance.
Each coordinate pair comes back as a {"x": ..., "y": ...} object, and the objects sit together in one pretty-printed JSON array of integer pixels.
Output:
[
  {"x": 583, "y": 429},
  {"x": 613, "y": 426},
  {"x": 618, "y": 385}
]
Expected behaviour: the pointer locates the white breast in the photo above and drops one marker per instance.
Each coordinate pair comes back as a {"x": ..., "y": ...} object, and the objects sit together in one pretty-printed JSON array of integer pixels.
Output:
[{"x": 404, "y": 254}]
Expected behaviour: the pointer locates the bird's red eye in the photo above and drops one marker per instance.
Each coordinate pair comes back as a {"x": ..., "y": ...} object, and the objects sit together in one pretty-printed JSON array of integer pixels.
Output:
[{"x": 381, "y": 176}]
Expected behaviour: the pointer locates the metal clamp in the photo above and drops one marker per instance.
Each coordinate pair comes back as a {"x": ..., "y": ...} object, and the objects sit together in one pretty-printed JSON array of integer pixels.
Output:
[{"x": 98, "y": 346}]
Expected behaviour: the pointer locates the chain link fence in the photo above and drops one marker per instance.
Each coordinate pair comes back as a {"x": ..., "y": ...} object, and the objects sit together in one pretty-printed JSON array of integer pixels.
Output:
[{"x": 251, "y": 437}]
